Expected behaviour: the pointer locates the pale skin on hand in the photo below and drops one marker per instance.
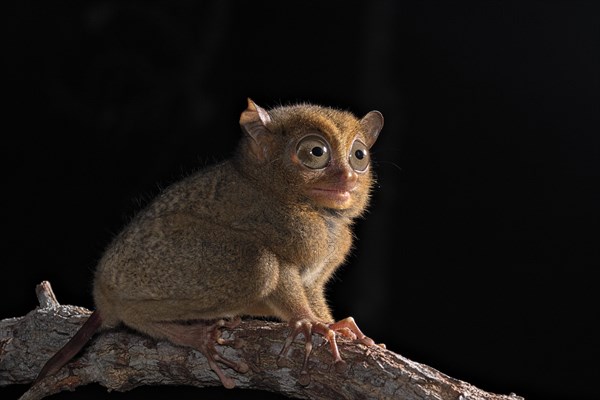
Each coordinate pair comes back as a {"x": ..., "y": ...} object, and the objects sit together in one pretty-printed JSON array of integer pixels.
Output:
[{"x": 259, "y": 234}]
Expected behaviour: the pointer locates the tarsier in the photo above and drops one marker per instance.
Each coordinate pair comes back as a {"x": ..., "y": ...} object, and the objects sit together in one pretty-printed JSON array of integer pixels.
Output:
[{"x": 259, "y": 234}]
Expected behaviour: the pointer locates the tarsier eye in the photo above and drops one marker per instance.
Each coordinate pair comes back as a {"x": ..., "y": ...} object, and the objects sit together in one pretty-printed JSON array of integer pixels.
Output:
[
  {"x": 313, "y": 152},
  {"x": 359, "y": 156}
]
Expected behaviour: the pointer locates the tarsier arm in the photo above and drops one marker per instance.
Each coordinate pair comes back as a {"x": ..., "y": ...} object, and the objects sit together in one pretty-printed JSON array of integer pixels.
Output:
[
  {"x": 317, "y": 302},
  {"x": 289, "y": 298}
]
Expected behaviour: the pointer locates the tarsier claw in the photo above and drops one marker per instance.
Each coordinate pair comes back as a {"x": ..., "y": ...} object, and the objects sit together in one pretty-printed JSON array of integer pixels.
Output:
[{"x": 346, "y": 327}]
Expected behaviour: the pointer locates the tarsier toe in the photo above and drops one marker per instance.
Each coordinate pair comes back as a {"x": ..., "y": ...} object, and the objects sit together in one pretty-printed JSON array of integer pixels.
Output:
[
  {"x": 238, "y": 366},
  {"x": 225, "y": 380},
  {"x": 349, "y": 325},
  {"x": 283, "y": 361},
  {"x": 347, "y": 333},
  {"x": 242, "y": 367},
  {"x": 340, "y": 366},
  {"x": 367, "y": 341},
  {"x": 304, "y": 378}
]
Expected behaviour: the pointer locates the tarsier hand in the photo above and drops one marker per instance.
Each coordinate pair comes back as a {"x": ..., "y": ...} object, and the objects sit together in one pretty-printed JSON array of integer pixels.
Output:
[{"x": 346, "y": 327}]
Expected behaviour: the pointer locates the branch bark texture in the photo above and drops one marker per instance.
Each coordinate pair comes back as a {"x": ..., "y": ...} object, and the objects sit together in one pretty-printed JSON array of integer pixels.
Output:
[{"x": 122, "y": 360}]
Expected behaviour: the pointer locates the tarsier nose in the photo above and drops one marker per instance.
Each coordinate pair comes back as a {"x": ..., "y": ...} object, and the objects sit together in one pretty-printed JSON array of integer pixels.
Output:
[{"x": 347, "y": 178}]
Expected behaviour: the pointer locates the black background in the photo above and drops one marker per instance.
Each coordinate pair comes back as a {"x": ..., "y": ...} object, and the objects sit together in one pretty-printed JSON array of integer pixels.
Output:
[{"x": 478, "y": 253}]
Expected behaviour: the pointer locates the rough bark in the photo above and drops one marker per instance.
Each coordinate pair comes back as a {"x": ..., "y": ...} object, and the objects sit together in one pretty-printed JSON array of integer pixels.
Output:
[{"x": 122, "y": 360}]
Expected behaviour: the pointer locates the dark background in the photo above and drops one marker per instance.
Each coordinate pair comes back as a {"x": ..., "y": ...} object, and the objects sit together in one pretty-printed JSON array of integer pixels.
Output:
[{"x": 478, "y": 253}]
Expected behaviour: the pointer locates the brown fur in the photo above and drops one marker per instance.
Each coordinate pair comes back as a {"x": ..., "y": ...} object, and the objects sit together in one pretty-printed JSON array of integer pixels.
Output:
[{"x": 243, "y": 237}]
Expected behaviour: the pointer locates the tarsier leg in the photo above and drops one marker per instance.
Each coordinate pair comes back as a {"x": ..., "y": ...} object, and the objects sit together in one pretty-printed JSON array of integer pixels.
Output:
[{"x": 202, "y": 336}]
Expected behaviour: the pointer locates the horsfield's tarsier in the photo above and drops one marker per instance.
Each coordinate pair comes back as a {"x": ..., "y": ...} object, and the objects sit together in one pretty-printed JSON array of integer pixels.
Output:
[{"x": 259, "y": 234}]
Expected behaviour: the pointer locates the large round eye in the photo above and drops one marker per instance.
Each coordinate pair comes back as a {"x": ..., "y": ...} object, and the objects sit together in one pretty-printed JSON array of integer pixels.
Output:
[
  {"x": 359, "y": 156},
  {"x": 313, "y": 152}
]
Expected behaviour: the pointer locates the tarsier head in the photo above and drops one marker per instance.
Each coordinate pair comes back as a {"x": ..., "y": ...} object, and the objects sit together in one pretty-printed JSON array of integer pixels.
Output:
[{"x": 314, "y": 154}]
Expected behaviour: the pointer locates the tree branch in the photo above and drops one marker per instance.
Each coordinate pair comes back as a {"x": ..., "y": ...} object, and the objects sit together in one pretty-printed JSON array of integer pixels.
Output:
[{"x": 122, "y": 360}]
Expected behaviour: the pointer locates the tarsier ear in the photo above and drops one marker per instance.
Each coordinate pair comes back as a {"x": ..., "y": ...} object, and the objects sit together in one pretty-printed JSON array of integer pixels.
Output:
[
  {"x": 372, "y": 123},
  {"x": 254, "y": 121}
]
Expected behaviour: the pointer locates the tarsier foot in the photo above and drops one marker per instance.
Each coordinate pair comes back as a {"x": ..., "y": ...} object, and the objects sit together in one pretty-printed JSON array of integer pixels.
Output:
[
  {"x": 346, "y": 327},
  {"x": 202, "y": 336}
]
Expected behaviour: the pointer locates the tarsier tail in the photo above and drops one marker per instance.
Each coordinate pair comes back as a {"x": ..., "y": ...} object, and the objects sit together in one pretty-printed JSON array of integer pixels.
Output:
[{"x": 73, "y": 346}]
